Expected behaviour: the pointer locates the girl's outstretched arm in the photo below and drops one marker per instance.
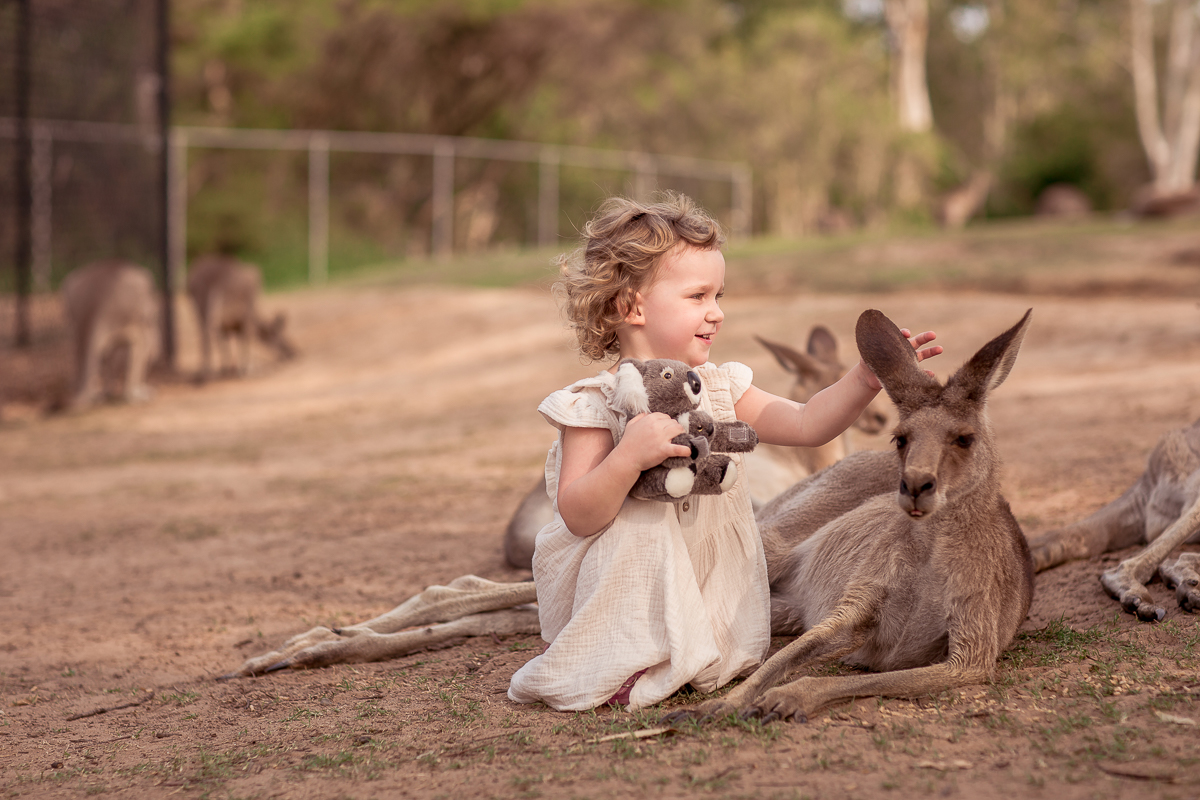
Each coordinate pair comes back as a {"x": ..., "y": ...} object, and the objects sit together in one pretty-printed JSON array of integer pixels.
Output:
[
  {"x": 596, "y": 476},
  {"x": 828, "y": 413}
]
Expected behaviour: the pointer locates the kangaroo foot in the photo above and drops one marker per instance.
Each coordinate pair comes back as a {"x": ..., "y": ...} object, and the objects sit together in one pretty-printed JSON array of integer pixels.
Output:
[
  {"x": 1051, "y": 553},
  {"x": 703, "y": 713},
  {"x": 1123, "y": 585},
  {"x": 1183, "y": 577},
  {"x": 260, "y": 665},
  {"x": 323, "y": 647},
  {"x": 781, "y": 703}
]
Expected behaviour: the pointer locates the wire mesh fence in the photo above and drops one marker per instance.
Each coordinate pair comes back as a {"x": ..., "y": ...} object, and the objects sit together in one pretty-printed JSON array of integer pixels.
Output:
[
  {"x": 87, "y": 76},
  {"x": 83, "y": 124}
]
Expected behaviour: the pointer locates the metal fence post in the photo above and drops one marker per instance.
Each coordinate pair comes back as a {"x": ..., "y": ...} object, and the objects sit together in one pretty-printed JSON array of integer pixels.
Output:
[
  {"x": 163, "y": 19},
  {"x": 646, "y": 178},
  {"x": 443, "y": 198},
  {"x": 548, "y": 197},
  {"x": 177, "y": 200},
  {"x": 23, "y": 178},
  {"x": 318, "y": 208},
  {"x": 42, "y": 206},
  {"x": 742, "y": 199}
]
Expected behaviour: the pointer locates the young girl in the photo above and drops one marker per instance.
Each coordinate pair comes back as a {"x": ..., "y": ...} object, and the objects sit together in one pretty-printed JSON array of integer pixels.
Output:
[{"x": 638, "y": 597}]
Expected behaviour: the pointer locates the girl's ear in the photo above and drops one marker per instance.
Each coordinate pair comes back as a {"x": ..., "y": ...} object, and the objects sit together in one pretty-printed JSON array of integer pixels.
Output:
[{"x": 633, "y": 310}]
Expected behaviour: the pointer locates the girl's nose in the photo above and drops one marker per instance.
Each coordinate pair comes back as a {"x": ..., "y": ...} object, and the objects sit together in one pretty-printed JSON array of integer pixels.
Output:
[{"x": 715, "y": 314}]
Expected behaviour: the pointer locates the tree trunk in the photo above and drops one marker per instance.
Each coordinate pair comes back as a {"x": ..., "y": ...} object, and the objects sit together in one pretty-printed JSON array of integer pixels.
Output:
[
  {"x": 1171, "y": 141},
  {"x": 908, "y": 22}
]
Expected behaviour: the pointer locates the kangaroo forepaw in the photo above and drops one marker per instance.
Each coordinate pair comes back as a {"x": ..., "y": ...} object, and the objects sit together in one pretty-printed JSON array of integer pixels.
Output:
[
  {"x": 676, "y": 718},
  {"x": 1132, "y": 594},
  {"x": 775, "y": 705},
  {"x": 1183, "y": 578}
]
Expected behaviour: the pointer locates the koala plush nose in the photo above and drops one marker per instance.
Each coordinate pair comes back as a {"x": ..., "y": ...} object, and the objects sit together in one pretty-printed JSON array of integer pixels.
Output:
[{"x": 694, "y": 386}]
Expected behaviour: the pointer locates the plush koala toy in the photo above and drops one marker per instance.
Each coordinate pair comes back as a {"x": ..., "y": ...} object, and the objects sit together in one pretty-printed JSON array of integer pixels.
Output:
[{"x": 670, "y": 387}]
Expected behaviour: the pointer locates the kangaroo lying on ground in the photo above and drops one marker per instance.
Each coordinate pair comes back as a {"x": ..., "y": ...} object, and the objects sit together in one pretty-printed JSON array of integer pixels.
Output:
[
  {"x": 1163, "y": 509},
  {"x": 225, "y": 293},
  {"x": 908, "y": 562},
  {"x": 926, "y": 587},
  {"x": 111, "y": 305},
  {"x": 769, "y": 469}
]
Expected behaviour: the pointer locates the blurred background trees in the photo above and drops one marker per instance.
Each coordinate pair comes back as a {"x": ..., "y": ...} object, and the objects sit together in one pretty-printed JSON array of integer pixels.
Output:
[{"x": 852, "y": 113}]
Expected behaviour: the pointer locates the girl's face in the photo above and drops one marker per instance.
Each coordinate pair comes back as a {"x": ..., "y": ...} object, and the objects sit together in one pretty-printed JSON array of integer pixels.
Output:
[{"x": 678, "y": 315}]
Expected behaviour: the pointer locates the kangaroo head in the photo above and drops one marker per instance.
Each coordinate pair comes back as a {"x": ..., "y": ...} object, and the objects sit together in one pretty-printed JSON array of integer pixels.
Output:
[
  {"x": 274, "y": 333},
  {"x": 943, "y": 437}
]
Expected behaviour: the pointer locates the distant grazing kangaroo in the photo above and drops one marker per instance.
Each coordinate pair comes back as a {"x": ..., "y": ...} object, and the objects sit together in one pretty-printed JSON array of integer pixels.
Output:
[
  {"x": 1162, "y": 508},
  {"x": 964, "y": 202},
  {"x": 108, "y": 305},
  {"x": 224, "y": 292},
  {"x": 769, "y": 469},
  {"x": 907, "y": 562}
]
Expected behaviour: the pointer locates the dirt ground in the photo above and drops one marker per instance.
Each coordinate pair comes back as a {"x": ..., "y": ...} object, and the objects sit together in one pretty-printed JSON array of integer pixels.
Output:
[{"x": 149, "y": 549}]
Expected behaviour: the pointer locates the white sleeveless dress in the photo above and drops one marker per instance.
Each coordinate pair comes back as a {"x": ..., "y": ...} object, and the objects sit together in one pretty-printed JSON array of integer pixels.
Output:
[{"x": 677, "y": 589}]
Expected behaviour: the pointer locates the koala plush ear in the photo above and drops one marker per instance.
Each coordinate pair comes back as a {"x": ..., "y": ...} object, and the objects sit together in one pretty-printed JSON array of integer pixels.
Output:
[{"x": 630, "y": 396}]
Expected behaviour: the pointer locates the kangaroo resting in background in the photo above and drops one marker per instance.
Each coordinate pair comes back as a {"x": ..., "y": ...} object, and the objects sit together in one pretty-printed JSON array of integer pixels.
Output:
[
  {"x": 1161, "y": 509},
  {"x": 108, "y": 305},
  {"x": 225, "y": 293},
  {"x": 769, "y": 469},
  {"x": 907, "y": 562}
]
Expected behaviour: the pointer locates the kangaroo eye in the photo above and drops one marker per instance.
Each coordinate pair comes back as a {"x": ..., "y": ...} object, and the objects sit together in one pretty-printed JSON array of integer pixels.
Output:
[
  {"x": 965, "y": 441},
  {"x": 667, "y": 374},
  {"x": 900, "y": 441}
]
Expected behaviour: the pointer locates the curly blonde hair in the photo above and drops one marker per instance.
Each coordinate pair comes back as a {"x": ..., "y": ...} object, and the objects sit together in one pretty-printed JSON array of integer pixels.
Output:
[{"x": 623, "y": 247}]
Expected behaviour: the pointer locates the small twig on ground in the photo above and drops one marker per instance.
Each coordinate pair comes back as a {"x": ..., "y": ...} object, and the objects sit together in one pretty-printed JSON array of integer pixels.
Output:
[{"x": 99, "y": 711}]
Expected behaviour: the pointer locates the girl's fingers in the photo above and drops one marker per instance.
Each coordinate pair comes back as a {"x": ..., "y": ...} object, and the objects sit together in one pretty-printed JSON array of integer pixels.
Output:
[{"x": 929, "y": 352}]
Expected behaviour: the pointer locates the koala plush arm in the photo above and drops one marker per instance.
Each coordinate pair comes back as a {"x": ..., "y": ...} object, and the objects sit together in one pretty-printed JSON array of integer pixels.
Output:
[{"x": 733, "y": 437}]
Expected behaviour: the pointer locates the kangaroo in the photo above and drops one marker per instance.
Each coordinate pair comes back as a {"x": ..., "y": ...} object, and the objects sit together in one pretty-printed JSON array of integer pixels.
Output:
[
  {"x": 907, "y": 562},
  {"x": 111, "y": 305},
  {"x": 1161, "y": 509},
  {"x": 964, "y": 202},
  {"x": 769, "y": 469},
  {"x": 225, "y": 293}
]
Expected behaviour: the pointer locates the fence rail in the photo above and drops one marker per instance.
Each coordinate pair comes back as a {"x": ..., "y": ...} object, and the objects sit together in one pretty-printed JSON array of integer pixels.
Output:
[{"x": 320, "y": 143}]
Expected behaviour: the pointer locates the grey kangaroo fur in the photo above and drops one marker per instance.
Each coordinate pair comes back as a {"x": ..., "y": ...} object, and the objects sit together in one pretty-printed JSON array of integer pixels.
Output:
[
  {"x": 111, "y": 304},
  {"x": 224, "y": 293},
  {"x": 908, "y": 562},
  {"x": 769, "y": 469},
  {"x": 1161, "y": 509}
]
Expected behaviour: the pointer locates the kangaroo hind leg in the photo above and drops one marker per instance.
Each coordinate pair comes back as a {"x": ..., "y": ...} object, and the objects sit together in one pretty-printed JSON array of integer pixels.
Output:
[{"x": 386, "y": 636}]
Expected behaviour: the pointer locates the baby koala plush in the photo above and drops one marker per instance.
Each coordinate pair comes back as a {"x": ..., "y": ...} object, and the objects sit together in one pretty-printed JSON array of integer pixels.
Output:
[{"x": 670, "y": 387}]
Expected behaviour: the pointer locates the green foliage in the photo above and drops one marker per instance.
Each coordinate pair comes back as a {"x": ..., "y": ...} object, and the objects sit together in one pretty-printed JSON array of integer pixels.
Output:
[{"x": 800, "y": 91}]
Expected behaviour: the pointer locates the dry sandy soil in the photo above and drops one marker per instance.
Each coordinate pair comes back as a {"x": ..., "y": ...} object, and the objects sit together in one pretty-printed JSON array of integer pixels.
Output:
[{"x": 149, "y": 549}]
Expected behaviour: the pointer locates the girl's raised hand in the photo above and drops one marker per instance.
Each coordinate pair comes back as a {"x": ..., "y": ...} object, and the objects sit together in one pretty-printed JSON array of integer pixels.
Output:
[
  {"x": 921, "y": 339},
  {"x": 647, "y": 440},
  {"x": 917, "y": 342}
]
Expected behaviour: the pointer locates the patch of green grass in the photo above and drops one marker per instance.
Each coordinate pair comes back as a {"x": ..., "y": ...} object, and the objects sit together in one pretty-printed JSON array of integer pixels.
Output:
[
  {"x": 183, "y": 698},
  {"x": 302, "y": 713}
]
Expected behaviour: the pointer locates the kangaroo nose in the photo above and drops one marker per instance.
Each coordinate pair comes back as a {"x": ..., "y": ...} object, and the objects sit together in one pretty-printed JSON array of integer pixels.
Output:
[
  {"x": 693, "y": 381},
  {"x": 917, "y": 485}
]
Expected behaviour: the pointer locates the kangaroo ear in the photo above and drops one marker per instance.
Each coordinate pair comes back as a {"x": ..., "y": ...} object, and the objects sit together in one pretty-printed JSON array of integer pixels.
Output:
[
  {"x": 630, "y": 395},
  {"x": 822, "y": 344},
  {"x": 892, "y": 358},
  {"x": 988, "y": 368},
  {"x": 795, "y": 362}
]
